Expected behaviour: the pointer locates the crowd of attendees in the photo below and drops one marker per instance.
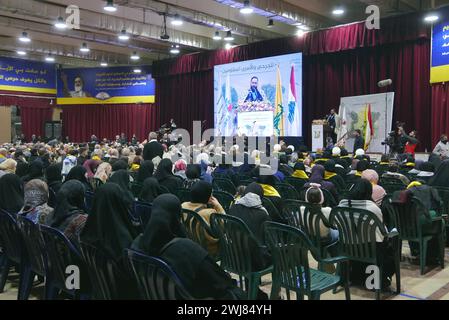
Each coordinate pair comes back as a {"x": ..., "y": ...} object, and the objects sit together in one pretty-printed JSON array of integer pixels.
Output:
[{"x": 48, "y": 182}]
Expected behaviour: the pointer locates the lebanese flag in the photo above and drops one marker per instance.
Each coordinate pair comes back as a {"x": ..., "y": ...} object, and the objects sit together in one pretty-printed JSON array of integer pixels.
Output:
[
  {"x": 369, "y": 129},
  {"x": 294, "y": 113}
]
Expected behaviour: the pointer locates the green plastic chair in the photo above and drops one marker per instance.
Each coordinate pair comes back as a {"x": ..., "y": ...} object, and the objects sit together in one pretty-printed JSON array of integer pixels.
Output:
[
  {"x": 297, "y": 183},
  {"x": 357, "y": 239},
  {"x": 286, "y": 191},
  {"x": 273, "y": 212},
  {"x": 224, "y": 198},
  {"x": 224, "y": 185},
  {"x": 183, "y": 195},
  {"x": 196, "y": 228},
  {"x": 444, "y": 195},
  {"x": 309, "y": 222},
  {"x": 290, "y": 248},
  {"x": 234, "y": 247},
  {"x": 391, "y": 188},
  {"x": 409, "y": 222}
]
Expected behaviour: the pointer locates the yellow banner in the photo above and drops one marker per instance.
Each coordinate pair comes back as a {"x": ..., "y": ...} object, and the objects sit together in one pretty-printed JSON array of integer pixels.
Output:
[
  {"x": 27, "y": 89},
  {"x": 113, "y": 100},
  {"x": 439, "y": 74}
]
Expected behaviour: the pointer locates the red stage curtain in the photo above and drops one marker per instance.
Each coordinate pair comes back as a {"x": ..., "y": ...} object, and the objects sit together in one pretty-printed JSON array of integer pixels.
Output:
[
  {"x": 34, "y": 111},
  {"x": 106, "y": 121},
  {"x": 348, "y": 37},
  {"x": 440, "y": 111}
]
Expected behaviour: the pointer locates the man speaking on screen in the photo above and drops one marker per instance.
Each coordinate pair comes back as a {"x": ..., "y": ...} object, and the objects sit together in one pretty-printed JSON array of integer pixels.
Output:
[{"x": 254, "y": 94}]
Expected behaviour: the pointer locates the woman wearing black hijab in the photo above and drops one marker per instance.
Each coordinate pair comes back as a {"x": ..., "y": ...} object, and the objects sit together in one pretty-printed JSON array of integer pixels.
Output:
[
  {"x": 36, "y": 171},
  {"x": 79, "y": 173},
  {"x": 22, "y": 169},
  {"x": 164, "y": 174},
  {"x": 145, "y": 171},
  {"x": 122, "y": 179},
  {"x": 69, "y": 216},
  {"x": 54, "y": 182},
  {"x": 441, "y": 176},
  {"x": 109, "y": 228},
  {"x": 11, "y": 193},
  {"x": 193, "y": 174},
  {"x": 119, "y": 165},
  {"x": 151, "y": 189},
  {"x": 164, "y": 238}
]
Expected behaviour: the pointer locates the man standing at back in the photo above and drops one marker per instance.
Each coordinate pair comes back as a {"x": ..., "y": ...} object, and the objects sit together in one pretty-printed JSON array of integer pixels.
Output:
[
  {"x": 153, "y": 148},
  {"x": 359, "y": 142}
]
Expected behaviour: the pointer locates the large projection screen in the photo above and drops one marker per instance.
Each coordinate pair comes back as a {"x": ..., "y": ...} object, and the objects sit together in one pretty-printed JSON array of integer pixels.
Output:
[{"x": 260, "y": 97}]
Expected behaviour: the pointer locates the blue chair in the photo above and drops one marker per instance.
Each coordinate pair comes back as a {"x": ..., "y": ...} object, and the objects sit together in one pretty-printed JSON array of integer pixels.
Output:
[
  {"x": 14, "y": 250},
  {"x": 35, "y": 261},
  {"x": 142, "y": 212},
  {"x": 62, "y": 253},
  {"x": 155, "y": 279},
  {"x": 103, "y": 272},
  {"x": 89, "y": 199}
]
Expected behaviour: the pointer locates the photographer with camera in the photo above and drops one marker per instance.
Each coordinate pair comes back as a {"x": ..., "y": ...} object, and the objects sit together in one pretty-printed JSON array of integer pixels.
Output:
[{"x": 400, "y": 143}]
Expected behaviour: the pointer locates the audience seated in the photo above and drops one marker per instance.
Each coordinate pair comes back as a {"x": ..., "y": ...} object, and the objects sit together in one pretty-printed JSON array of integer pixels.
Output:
[
  {"x": 378, "y": 192},
  {"x": 393, "y": 173},
  {"x": 165, "y": 238},
  {"x": 317, "y": 177},
  {"x": 11, "y": 193},
  {"x": 69, "y": 215},
  {"x": 441, "y": 177},
  {"x": 203, "y": 203},
  {"x": 151, "y": 189},
  {"x": 164, "y": 174},
  {"x": 35, "y": 205}
]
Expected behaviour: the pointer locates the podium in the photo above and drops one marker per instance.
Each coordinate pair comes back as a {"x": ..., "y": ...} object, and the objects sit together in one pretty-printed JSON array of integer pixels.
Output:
[{"x": 320, "y": 131}]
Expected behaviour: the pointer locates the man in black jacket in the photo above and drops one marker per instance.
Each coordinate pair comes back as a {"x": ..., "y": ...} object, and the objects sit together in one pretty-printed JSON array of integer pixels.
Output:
[
  {"x": 359, "y": 142},
  {"x": 153, "y": 148}
]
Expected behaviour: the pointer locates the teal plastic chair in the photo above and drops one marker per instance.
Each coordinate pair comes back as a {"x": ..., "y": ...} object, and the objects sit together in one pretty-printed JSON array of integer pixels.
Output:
[
  {"x": 196, "y": 228},
  {"x": 357, "y": 239},
  {"x": 287, "y": 191},
  {"x": 444, "y": 195},
  {"x": 224, "y": 198},
  {"x": 409, "y": 222},
  {"x": 235, "y": 241},
  {"x": 309, "y": 222},
  {"x": 296, "y": 183},
  {"x": 290, "y": 249},
  {"x": 224, "y": 185}
]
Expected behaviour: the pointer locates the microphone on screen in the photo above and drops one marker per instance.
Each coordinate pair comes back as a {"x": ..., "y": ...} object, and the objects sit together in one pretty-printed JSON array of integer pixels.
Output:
[{"x": 385, "y": 83}]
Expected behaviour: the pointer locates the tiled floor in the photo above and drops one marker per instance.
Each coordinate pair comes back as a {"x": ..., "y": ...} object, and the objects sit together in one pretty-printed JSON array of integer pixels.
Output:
[{"x": 433, "y": 285}]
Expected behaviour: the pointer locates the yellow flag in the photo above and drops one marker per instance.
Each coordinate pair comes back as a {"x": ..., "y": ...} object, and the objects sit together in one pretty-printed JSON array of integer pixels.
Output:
[{"x": 279, "y": 113}]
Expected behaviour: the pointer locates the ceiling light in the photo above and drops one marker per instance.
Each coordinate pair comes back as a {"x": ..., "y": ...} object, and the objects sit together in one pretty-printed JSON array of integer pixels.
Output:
[
  {"x": 110, "y": 6},
  {"x": 270, "y": 23},
  {"x": 303, "y": 28},
  {"x": 229, "y": 36},
  {"x": 123, "y": 35},
  {"x": 300, "y": 33},
  {"x": 228, "y": 46},
  {"x": 21, "y": 52},
  {"x": 49, "y": 58},
  {"x": 217, "y": 36},
  {"x": 246, "y": 9},
  {"x": 175, "y": 49},
  {"x": 84, "y": 48},
  {"x": 103, "y": 64},
  {"x": 338, "y": 11},
  {"x": 60, "y": 23},
  {"x": 431, "y": 18},
  {"x": 24, "y": 37},
  {"x": 137, "y": 70},
  {"x": 177, "y": 20},
  {"x": 135, "y": 56}
]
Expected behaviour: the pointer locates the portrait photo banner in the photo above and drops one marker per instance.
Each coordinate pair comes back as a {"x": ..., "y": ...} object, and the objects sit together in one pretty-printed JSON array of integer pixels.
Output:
[
  {"x": 27, "y": 76},
  {"x": 114, "y": 85}
]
